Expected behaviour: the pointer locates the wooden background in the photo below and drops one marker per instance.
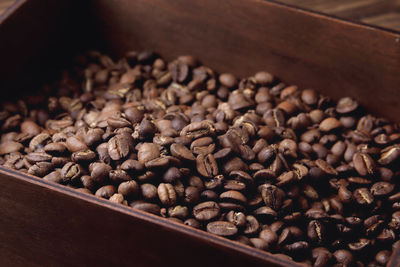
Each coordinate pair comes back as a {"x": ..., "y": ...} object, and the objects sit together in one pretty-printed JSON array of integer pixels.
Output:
[{"x": 382, "y": 13}]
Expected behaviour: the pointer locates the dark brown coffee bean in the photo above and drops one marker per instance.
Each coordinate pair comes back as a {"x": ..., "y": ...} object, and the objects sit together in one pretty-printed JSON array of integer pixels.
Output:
[
  {"x": 233, "y": 196},
  {"x": 149, "y": 191},
  {"x": 346, "y": 105},
  {"x": 204, "y": 145},
  {"x": 206, "y": 211},
  {"x": 316, "y": 231},
  {"x": 382, "y": 189},
  {"x": 83, "y": 156},
  {"x": 383, "y": 257},
  {"x": 54, "y": 176},
  {"x": 132, "y": 166},
  {"x": 71, "y": 172},
  {"x": 222, "y": 228},
  {"x": 55, "y": 149},
  {"x": 269, "y": 236},
  {"x": 345, "y": 195},
  {"x": 99, "y": 172},
  {"x": 180, "y": 212},
  {"x": 34, "y": 157},
  {"x": 207, "y": 165},
  {"x": 39, "y": 141},
  {"x": 119, "y": 146},
  {"x": 192, "y": 223},
  {"x": 145, "y": 206},
  {"x": 74, "y": 144},
  {"x": 198, "y": 129},
  {"x": 191, "y": 195},
  {"x": 389, "y": 155},
  {"x": 179, "y": 71},
  {"x": 106, "y": 191},
  {"x": 364, "y": 164},
  {"x": 344, "y": 257},
  {"x": 237, "y": 218},
  {"x": 363, "y": 196},
  {"x": 359, "y": 245},
  {"x": 252, "y": 225},
  {"x": 182, "y": 152},
  {"x": 329, "y": 124},
  {"x": 321, "y": 256},
  {"x": 272, "y": 196}
]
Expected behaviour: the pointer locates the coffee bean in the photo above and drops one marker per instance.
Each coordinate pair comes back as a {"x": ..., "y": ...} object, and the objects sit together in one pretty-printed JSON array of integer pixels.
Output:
[
  {"x": 198, "y": 129},
  {"x": 316, "y": 231},
  {"x": 382, "y": 188},
  {"x": 71, "y": 172},
  {"x": 99, "y": 172},
  {"x": 54, "y": 176},
  {"x": 359, "y": 245},
  {"x": 182, "y": 152},
  {"x": 389, "y": 154},
  {"x": 206, "y": 211},
  {"x": 145, "y": 206},
  {"x": 106, "y": 191},
  {"x": 364, "y": 164},
  {"x": 329, "y": 124},
  {"x": 119, "y": 146},
  {"x": 222, "y": 228},
  {"x": 272, "y": 196},
  {"x": 344, "y": 257},
  {"x": 363, "y": 196},
  {"x": 233, "y": 196},
  {"x": 346, "y": 105},
  {"x": 74, "y": 144},
  {"x": 207, "y": 165},
  {"x": 83, "y": 156},
  {"x": 39, "y": 141}
]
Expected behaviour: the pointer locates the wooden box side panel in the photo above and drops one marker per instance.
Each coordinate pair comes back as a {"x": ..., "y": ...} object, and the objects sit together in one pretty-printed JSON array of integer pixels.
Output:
[
  {"x": 49, "y": 225},
  {"x": 335, "y": 57}
]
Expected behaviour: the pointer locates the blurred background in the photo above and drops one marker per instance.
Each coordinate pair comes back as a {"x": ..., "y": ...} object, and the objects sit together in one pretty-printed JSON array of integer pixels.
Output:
[{"x": 382, "y": 13}]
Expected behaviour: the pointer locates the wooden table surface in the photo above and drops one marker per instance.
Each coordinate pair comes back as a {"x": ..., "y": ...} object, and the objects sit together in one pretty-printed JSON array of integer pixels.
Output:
[{"x": 383, "y": 13}]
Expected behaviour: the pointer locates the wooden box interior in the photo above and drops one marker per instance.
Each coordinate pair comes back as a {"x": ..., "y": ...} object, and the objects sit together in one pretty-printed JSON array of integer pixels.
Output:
[{"x": 45, "y": 224}]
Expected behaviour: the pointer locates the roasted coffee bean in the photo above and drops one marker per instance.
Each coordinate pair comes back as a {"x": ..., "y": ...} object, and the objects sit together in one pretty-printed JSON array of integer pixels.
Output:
[
  {"x": 321, "y": 256},
  {"x": 119, "y": 146},
  {"x": 316, "y": 231},
  {"x": 207, "y": 165},
  {"x": 182, "y": 152},
  {"x": 360, "y": 244},
  {"x": 149, "y": 191},
  {"x": 389, "y": 154},
  {"x": 382, "y": 257},
  {"x": 192, "y": 223},
  {"x": 382, "y": 188},
  {"x": 192, "y": 195},
  {"x": 99, "y": 172},
  {"x": 71, "y": 172},
  {"x": 83, "y": 156},
  {"x": 206, "y": 211},
  {"x": 34, "y": 157},
  {"x": 252, "y": 225},
  {"x": 346, "y": 105},
  {"x": 364, "y": 164},
  {"x": 233, "y": 196},
  {"x": 106, "y": 191},
  {"x": 272, "y": 196},
  {"x": 363, "y": 196},
  {"x": 237, "y": 218},
  {"x": 344, "y": 257},
  {"x": 222, "y": 228},
  {"x": 40, "y": 168},
  {"x": 39, "y": 141},
  {"x": 54, "y": 176},
  {"x": 146, "y": 206}
]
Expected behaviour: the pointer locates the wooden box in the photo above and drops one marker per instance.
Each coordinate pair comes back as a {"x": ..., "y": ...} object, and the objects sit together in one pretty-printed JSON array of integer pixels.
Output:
[{"x": 44, "y": 224}]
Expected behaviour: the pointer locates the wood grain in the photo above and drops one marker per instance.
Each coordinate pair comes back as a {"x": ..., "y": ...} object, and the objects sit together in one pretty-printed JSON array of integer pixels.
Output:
[
  {"x": 356, "y": 10},
  {"x": 47, "y": 224},
  {"x": 333, "y": 56}
]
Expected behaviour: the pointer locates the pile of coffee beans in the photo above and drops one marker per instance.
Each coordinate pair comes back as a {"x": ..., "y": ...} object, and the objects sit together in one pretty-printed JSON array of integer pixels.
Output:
[{"x": 281, "y": 169}]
